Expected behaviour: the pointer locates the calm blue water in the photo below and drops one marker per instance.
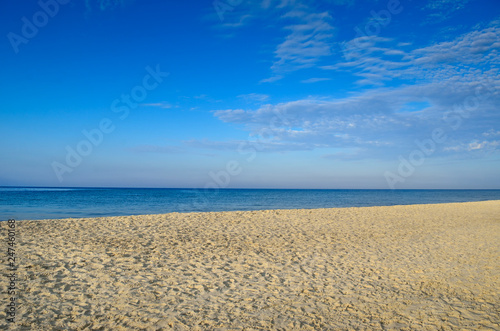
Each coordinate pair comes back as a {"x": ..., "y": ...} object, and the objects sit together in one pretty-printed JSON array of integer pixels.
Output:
[{"x": 44, "y": 203}]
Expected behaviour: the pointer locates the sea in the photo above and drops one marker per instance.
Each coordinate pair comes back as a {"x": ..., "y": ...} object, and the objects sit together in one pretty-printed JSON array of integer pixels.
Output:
[{"x": 36, "y": 203}]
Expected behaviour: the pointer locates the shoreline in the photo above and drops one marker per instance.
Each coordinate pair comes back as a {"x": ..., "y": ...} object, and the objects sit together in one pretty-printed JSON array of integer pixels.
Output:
[
  {"x": 244, "y": 211},
  {"x": 408, "y": 267},
  {"x": 31, "y": 204}
]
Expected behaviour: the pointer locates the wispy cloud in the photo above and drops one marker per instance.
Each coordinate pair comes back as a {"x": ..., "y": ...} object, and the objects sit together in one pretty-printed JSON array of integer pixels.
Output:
[
  {"x": 475, "y": 146},
  {"x": 156, "y": 149},
  {"x": 376, "y": 120},
  {"x": 441, "y": 10},
  {"x": 254, "y": 97},
  {"x": 193, "y": 145},
  {"x": 103, "y": 5},
  {"x": 164, "y": 105},
  {"x": 491, "y": 133},
  {"x": 314, "y": 80},
  {"x": 309, "y": 40},
  {"x": 267, "y": 146},
  {"x": 469, "y": 57},
  {"x": 309, "y": 32},
  {"x": 381, "y": 120},
  {"x": 242, "y": 21},
  {"x": 271, "y": 79},
  {"x": 446, "y": 4}
]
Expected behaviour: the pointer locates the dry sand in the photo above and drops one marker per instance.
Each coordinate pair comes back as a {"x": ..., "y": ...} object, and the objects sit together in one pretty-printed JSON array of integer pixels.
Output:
[{"x": 423, "y": 267}]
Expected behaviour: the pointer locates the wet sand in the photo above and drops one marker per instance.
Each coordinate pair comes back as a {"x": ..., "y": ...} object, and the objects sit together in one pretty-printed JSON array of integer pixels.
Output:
[{"x": 423, "y": 267}]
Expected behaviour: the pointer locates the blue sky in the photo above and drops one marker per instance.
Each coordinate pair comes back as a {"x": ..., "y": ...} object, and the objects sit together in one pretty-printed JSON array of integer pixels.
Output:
[{"x": 244, "y": 94}]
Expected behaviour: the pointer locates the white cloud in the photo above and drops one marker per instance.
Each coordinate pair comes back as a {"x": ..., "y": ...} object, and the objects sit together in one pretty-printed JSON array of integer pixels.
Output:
[
  {"x": 446, "y": 4},
  {"x": 164, "y": 105},
  {"x": 271, "y": 79},
  {"x": 475, "y": 145},
  {"x": 309, "y": 33},
  {"x": 442, "y": 10},
  {"x": 254, "y": 97},
  {"x": 156, "y": 149},
  {"x": 243, "y": 20},
  {"x": 491, "y": 133},
  {"x": 470, "y": 56},
  {"x": 314, "y": 80},
  {"x": 261, "y": 145},
  {"x": 458, "y": 80},
  {"x": 106, "y": 4},
  {"x": 378, "y": 119},
  {"x": 483, "y": 145},
  {"x": 309, "y": 40}
]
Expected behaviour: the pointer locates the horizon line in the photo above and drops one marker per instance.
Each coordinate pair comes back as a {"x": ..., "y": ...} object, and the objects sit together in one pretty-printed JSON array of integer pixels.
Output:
[{"x": 248, "y": 188}]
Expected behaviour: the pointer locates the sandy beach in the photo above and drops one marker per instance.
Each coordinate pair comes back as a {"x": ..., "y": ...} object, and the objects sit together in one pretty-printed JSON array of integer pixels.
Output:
[{"x": 420, "y": 267}]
